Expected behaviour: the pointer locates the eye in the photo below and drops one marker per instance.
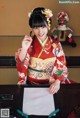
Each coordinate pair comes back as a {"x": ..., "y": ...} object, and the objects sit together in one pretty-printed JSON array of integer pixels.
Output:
[
  {"x": 43, "y": 26},
  {"x": 35, "y": 27}
]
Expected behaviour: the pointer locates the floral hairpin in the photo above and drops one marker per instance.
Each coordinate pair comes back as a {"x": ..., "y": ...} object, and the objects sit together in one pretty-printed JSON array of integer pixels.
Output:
[
  {"x": 48, "y": 14},
  {"x": 29, "y": 14}
]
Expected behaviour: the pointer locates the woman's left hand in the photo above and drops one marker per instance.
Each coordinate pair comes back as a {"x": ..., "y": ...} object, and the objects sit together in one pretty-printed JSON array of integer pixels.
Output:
[{"x": 54, "y": 87}]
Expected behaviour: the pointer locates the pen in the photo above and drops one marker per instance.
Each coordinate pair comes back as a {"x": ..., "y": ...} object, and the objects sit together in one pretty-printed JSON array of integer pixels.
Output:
[
  {"x": 21, "y": 113},
  {"x": 53, "y": 113}
]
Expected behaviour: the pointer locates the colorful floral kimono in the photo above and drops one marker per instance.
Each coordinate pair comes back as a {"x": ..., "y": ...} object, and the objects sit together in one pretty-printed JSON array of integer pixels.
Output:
[{"x": 43, "y": 62}]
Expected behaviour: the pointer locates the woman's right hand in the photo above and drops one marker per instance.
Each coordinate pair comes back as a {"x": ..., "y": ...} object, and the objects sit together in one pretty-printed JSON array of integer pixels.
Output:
[
  {"x": 27, "y": 40},
  {"x": 25, "y": 46}
]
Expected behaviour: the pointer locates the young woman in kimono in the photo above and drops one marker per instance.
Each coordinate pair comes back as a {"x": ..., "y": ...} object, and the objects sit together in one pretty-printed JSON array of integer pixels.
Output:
[{"x": 41, "y": 59}]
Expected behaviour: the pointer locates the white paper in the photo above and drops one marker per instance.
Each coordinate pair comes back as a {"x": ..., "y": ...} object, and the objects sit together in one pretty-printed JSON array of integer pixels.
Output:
[{"x": 38, "y": 101}]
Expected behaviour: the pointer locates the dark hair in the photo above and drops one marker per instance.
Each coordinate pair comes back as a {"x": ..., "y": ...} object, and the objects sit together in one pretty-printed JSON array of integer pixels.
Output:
[{"x": 37, "y": 18}]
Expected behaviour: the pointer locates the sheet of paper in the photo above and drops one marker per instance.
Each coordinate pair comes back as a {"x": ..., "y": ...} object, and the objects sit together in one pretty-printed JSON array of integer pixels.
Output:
[{"x": 38, "y": 101}]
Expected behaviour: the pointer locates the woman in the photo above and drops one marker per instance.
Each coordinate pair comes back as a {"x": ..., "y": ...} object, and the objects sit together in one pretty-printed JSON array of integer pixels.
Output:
[{"x": 41, "y": 59}]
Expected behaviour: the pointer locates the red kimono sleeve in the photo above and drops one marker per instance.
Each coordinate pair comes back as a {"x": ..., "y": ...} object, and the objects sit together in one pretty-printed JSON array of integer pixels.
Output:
[
  {"x": 60, "y": 70},
  {"x": 22, "y": 66}
]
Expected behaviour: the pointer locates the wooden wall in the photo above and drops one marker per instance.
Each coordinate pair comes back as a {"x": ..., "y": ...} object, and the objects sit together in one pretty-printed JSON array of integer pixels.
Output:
[{"x": 14, "y": 15}]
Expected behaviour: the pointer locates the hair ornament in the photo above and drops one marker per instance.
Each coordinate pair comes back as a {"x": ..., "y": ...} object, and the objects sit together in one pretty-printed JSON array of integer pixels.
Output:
[
  {"x": 29, "y": 14},
  {"x": 48, "y": 13}
]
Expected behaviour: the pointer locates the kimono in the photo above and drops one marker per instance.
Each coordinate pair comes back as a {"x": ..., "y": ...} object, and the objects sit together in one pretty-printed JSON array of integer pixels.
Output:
[{"x": 44, "y": 62}]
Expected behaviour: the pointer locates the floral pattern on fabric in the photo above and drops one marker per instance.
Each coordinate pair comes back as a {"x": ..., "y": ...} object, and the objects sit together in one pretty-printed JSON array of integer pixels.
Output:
[{"x": 57, "y": 68}]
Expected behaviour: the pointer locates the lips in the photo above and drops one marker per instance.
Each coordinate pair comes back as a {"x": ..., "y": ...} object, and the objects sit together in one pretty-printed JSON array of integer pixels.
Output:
[{"x": 40, "y": 35}]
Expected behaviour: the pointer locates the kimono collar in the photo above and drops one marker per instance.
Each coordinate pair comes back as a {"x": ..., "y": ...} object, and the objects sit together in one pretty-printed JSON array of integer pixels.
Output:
[{"x": 44, "y": 42}]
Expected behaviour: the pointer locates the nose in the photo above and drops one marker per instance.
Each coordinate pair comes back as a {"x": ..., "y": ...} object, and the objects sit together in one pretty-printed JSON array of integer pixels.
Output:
[{"x": 40, "y": 30}]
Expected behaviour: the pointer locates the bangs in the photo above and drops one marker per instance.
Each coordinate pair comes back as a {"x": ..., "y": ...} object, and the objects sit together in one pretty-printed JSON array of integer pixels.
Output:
[{"x": 37, "y": 21}]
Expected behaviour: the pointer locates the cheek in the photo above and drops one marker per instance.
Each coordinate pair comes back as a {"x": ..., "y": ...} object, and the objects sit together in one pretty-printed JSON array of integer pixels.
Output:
[
  {"x": 35, "y": 32},
  {"x": 46, "y": 31}
]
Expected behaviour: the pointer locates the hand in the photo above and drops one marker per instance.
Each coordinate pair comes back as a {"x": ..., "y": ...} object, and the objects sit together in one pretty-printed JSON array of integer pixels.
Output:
[
  {"x": 25, "y": 45},
  {"x": 26, "y": 42},
  {"x": 21, "y": 82},
  {"x": 54, "y": 87}
]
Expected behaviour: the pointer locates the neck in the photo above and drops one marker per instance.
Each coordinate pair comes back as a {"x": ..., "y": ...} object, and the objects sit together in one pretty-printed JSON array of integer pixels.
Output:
[{"x": 43, "y": 39}]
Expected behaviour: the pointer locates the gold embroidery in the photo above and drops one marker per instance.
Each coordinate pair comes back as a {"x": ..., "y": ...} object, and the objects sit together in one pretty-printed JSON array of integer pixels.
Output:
[
  {"x": 43, "y": 68},
  {"x": 43, "y": 46}
]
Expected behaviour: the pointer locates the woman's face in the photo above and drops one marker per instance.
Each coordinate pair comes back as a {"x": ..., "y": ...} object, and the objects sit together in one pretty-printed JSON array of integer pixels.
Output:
[{"x": 41, "y": 32}]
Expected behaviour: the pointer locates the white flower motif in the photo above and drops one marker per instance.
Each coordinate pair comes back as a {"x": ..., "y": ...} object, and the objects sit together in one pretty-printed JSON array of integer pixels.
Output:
[
  {"x": 29, "y": 14},
  {"x": 48, "y": 13}
]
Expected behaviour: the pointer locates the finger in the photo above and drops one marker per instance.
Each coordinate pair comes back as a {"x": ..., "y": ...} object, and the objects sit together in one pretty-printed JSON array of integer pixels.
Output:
[
  {"x": 54, "y": 89},
  {"x": 26, "y": 36},
  {"x": 28, "y": 39}
]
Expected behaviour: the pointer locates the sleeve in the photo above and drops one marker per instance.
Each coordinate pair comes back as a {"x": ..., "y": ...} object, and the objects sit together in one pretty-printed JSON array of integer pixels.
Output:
[
  {"x": 60, "y": 70},
  {"x": 22, "y": 66}
]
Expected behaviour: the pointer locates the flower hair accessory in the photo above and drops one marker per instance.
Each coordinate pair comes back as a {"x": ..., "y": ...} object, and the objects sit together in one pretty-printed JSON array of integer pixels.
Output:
[
  {"x": 48, "y": 14},
  {"x": 29, "y": 14}
]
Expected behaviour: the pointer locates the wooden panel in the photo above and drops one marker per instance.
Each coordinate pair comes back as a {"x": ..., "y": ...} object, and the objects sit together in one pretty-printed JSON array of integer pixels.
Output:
[{"x": 14, "y": 15}]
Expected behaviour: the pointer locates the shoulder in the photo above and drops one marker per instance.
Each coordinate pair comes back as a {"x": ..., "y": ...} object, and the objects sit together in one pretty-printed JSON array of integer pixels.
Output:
[
  {"x": 53, "y": 40},
  {"x": 55, "y": 43}
]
